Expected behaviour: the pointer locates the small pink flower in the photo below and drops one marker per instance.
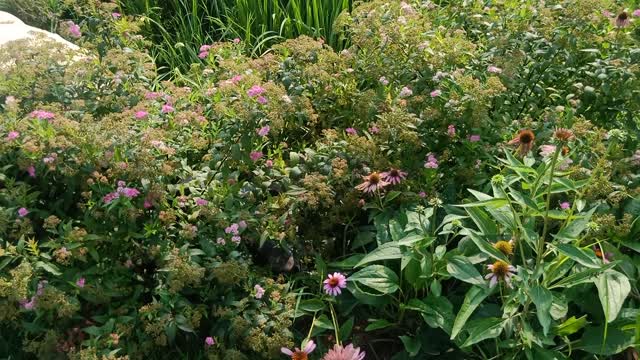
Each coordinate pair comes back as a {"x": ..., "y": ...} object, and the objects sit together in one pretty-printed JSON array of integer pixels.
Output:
[
  {"x": 232, "y": 229},
  {"x": 607, "y": 13},
  {"x": 374, "y": 130},
  {"x": 203, "y": 55},
  {"x": 383, "y": 80},
  {"x": 474, "y": 138},
  {"x": 565, "y": 205},
  {"x": 334, "y": 284},
  {"x": 372, "y": 183},
  {"x": 405, "y": 92},
  {"x": 432, "y": 162},
  {"x": 152, "y": 95},
  {"x": 116, "y": 15},
  {"x": 259, "y": 291},
  {"x": 236, "y": 41},
  {"x": 130, "y": 192},
  {"x": 201, "y": 202},
  {"x": 435, "y": 93},
  {"x": 268, "y": 163},
  {"x": 220, "y": 241},
  {"x": 31, "y": 170},
  {"x": 547, "y": 150},
  {"x": 422, "y": 194},
  {"x": 166, "y": 108},
  {"x": 141, "y": 114},
  {"x": 264, "y": 131},
  {"x": 255, "y": 90},
  {"x": 255, "y": 155},
  {"x": 262, "y": 100},
  {"x": 22, "y": 212},
  {"x": 147, "y": 204},
  {"x": 351, "y": 131},
  {"x": 300, "y": 354},
  {"x": 236, "y": 239},
  {"x": 494, "y": 69},
  {"x": 451, "y": 130},
  {"x": 242, "y": 224},
  {"x": 636, "y": 12},
  {"x": 74, "y": 29},
  {"x": 205, "y": 48},
  {"x": 42, "y": 115},
  {"x": 12, "y": 135},
  {"x": 80, "y": 282},
  {"x": 28, "y": 305},
  {"x": 208, "y": 341}
]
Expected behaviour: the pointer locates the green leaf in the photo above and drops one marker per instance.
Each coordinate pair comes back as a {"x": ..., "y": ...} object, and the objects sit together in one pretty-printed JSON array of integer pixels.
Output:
[
  {"x": 386, "y": 251},
  {"x": 570, "y": 232},
  {"x": 483, "y": 221},
  {"x": 492, "y": 203},
  {"x": 311, "y": 305},
  {"x": 411, "y": 345},
  {"x": 345, "y": 329},
  {"x": 582, "y": 276},
  {"x": 580, "y": 256},
  {"x": 542, "y": 298},
  {"x": 462, "y": 269},
  {"x": 475, "y": 296},
  {"x": 523, "y": 200},
  {"x": 612, "y": 341},
  {"x": 613, "y": 289},
  {"x": 436, "y": 311},
  {"x": 571, "y": 326},
  {"x": 377, "y": 324},
  {"x": 482, "y": 329},
  {"x": 487, "y": 248},
  {"x": 377, "y": 277},
  {"x": 50, "y": 268}
]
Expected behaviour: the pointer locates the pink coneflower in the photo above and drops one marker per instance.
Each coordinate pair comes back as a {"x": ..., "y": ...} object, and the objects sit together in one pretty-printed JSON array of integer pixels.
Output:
[
  {"x": 372, "y": 182},
  {"x": 298, "y": 354},
  {"x": 474, "y": 138},
  {"x": 255, "y": 155},
  {"x": 81, "y": 282},
  {"x": 116, "y": 15},
  {"x": 351, "y": 131},
  {"x": 201, "y": 202},
  {"x": 432, "y": 162},
  {"x": 166, "y": 108},
  {"x": 524, "y": 140},
  {"x": 264, "y": 131},
  {"x": 334, "y": 284},
  {"x": 383, "y": 80},
  {"x": 42, "y": 115},
  {"x": 451, "y": 130},
  {"x": 494, "y": 69},
  {"x": 255, "y": 90},
  {"x": 259, "y": 291},
  {"x": 565, "y": 205},
  {"x": 405, "y": 92},
  {"x": 31, "y": 170},
  {"x": 393, "y": 176},
  {"x": 344, "y": 353},
  {"x": 12, "y": 135},
  {"x": 74, "y": 29},
  {"x": 622, "y": 20},
  {"x": 22, "y": 212},
  {"x": 262, "y": 100},
  {"x": 547, "y": 150},
  {"x": 435, "y": 93},
  {"x": 374, "y": 130},
  {"x": 141, "y": 114},
  {"x": 208, "y": 341},
  {"x": 500, "y": 270}
]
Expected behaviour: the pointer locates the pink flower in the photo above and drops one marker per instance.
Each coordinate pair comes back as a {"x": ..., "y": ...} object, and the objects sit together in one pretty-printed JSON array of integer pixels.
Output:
[
  {"x": 203, "y": 55},
  {"x": 236, "y": 79},
  {"x": 259, "y": 291},
  {"x": 344, "y": 353},
  {"x": 141, "y": 114},
  {"x": 393, "y": 176},
  {"x": 565, "y": 205},
  {"x": 232, "y": 229},
  {"x": 255, "y": 90},
  {"x": 383, "y": 80},
  {"x": 435, "y": 93},
  {"x": 405, "y": 92},
  {"x": 372, "y": 183},
  {"x": 220, "y": 241},
  {"x": 32, "y": 171},
  {"x": 236, "y": 41},
  {"x": 334, "y": 284},
  {"x": 205, "y": 48},
  {"x": 166, "y": 108},
  {"x": 152, "y": 95},
  {"x": 607, "y": 13},
  {"x": 474, "y": 138},
  {"x": 74, "y": 29},
  {"x": 42, "y": 115},
  {"x": 500, "y": 270},
  {"x": 264, "y": 131},
  {"x": 236, "y": 239},
  {"x": 147, "y": 204},
  {"x": 242, "y": 224},
  {"x": 547, "y": 150},
  {"x": 208, "y": 341},
  {"x": 130, "y": 192},
  {"x": 422, "y": 194},
  {"x": 298, "y": 354},
  {"x": 432, "y": 162},
  {"x": 451, "y": 130},
  {"x": 28, "y": 305},
  {"x": 255, "y": 155},
  {"x": 201, "y": 202},
  {"x": 22, "y": 212},
  {"x": 116, "y": 15},
  {"x": 80, "y": 282},
  {"x": 374, "y": 130},
  {"x": 636, "y": 12},
  {"x": 494, "y": 69},
  {"x": 262, "y": 100},
  {"x": 351, "y": 131},
  {"x": 12, "y": 135},
  {"x": 268, "y": 163}
]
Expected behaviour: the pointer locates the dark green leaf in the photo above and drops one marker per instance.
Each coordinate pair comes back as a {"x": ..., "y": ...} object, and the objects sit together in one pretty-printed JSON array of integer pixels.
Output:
[
  {"x": 411, "y": 345},
  {"x": 378, "y": 324},
  {"x": 482, "y": 329},
  {"x": 462, "y": 269},
  {"x": 377, "y": 277},
  {"x": 586, "y": 258},
  {"x": 475, "y": 296},
  {"x": 542, "y": 298},
  {"x": 387, "y": 251},
  {"x": 596, "y": 341}
]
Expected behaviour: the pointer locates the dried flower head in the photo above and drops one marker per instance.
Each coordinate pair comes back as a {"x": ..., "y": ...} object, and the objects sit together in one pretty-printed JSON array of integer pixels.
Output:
[
  {"x": 622, "y": 20},
  {"x": 524, "y": 140},
  {"x": 563, "y": 135}
]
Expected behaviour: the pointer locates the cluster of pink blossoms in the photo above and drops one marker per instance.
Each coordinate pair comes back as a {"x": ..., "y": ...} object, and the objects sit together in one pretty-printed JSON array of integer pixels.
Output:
[
  {"x": 204, "y": 51},
  {"x": 122, "y": 190},
  {"x": 42, "y": 115},
  {"x": 257, "y": 91},
  {"x": 338, "y": 352},
  {"x": 432, "y": 162}
]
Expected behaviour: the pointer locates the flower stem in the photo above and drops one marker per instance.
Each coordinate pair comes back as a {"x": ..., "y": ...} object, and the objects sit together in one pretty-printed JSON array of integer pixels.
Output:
[
  {"x": 546, "y": 214},
  {"x": 335, "y": 323}
]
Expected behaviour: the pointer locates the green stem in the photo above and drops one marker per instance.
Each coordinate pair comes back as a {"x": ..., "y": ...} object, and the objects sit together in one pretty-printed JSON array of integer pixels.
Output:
[
  {"x": 335, "y": 323},
  {"x": 546, "y": 214},
  {"x": 311, "y": 328}
]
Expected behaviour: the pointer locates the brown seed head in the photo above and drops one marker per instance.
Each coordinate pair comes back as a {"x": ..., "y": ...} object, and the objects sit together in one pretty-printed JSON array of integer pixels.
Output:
[{"x": 563, "y": 135}]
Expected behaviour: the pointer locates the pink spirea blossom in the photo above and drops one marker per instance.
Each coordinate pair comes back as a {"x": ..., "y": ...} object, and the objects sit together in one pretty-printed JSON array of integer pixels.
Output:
[
  {"x": 435, "y": 93},
  {"x": 74, "y": 29},
  {"x": 201, "y": 202},
  {"x": 221, "y": 241},
  {"x": 374, "y": 130},
  {"x": 28, "y": 305},
  {"x": 255, "y": 155},
  {"x": 607, "y": 13},
  {"x": 81, "y": 282},
  {"x": 147, "y": 204},
  {"x": 565, "y": 205},
  {"x": 494, "y": 69},
  {"x": 242, "y": 224},
  {"x": 344, "y": 353},
  {"x": 264, "y": 131},
  {"x": 166, "y": 108},
  {"x": 351, "y": 131},
  {"x": 300, "y": 354},
  {"x": 151, "y": 95},
  {"x": 262, "y": 100},
  {"x": 474, "y": 138},
  {"x": 636, "y": 12},
  {"x": 259, "y": 291},
  {"x": 42, "y": 115},
  {"x": 451, "y": 130},
  {"x": 205, "y": 47},
  {"x": 268, "y": 163},
  {"x": 383, "y": 80},
  {"x": 236, "y": 239},
  {"x": 22, "y": 212},
  {"x": 232, "y": 229},
  {"x": 405, "y": 92},
  {"x": 12, "y": 135},
  {"x": 31, "y": 170},
  {"x": 116, "y": 15},
  {"x": 203, "y": 55},
  {"x": 141, "y": 114},
  {"x": 124, "y": 191},
  {"x": 334, "y": 284},
  {"x": 255, "y": 90},
  {"x": 432, "y": 162},
  {"x": 208, "y": 341}
]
